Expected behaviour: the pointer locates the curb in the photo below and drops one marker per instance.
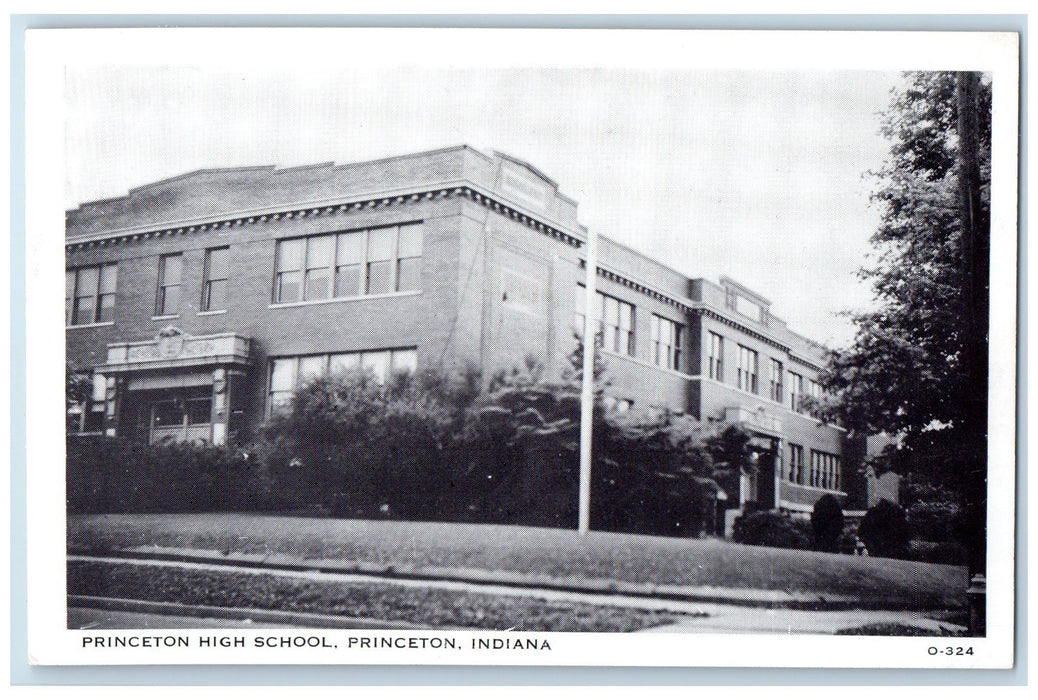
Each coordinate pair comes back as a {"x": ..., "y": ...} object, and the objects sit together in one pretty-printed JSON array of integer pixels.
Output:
[
  {"x": 289, "y": 619},
  {"x": 689, "y": 594}
]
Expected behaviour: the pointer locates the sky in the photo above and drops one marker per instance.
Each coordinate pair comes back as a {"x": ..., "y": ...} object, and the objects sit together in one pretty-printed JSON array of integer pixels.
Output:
[{"x": 754, "y": 174}]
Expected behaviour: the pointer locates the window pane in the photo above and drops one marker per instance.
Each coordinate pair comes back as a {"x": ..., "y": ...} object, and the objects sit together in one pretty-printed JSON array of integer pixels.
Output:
[
  {"x": 345, "y": 363},
  {"x": 171, "y": 269},
  {"x": 316, "y": 284},
  {"x": 380, "y": 244},
  {"x": 611, "y": 313},
  {"x": 581, "y": 300},
  {"x": 350, "y": 248},
  {"x": 311, "y": 367},
  {"x": 377, "y": 363},
  {"x": 106, "y": 312},
  {"x": 288, "y": 286},
  {"x": 379, "y": 275},
  {"x": 108, "y": 279},
  {"x": 405, "y": 361},
  {"x": 84, "y": 311},
  {"x": 626, "y": 315},
  {"x": 70, "y": 292},
  {"x": 86, "y": 284},
  {"x": 199, "y": 411},
  {"x": 290, "y": 255},
  {"x": 216, "y": 295},
  {"x": 166, "y": 414},
  {"x": 170, "y": 301},
  {"x": 218, "y": 263},
  {"x": 282, "y": 374},
  {"x": 410, "y": 245},
  {"x": 347, "y": 280},
  {"x": 319, "y": 251},
  {"x": 656, "y": 328},
  {"x": 409, "y": 275}
]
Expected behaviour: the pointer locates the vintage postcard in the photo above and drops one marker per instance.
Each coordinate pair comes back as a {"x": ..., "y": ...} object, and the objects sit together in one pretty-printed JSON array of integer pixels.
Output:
[{"x": 521, "y": 347}]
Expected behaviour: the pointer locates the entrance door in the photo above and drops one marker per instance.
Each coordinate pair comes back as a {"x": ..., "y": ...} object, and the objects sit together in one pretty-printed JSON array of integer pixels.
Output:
[{"x": 182, "y": 417}]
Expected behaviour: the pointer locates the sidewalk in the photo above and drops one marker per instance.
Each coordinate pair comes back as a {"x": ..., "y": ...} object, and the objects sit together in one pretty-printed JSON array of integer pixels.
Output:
[{"x": 726, "y": 611}]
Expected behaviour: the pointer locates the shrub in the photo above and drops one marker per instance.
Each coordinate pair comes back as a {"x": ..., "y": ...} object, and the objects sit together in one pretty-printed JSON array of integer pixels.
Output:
[
  {"x": 884, "y": 530},
  {"x": 827, "y": 523},
  {"x": 106, "y": 474},
  {"x": 771, "y": 529}
]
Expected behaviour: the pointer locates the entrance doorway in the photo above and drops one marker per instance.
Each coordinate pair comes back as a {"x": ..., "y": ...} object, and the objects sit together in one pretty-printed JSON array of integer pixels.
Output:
[{"x": 171, "y": 416}]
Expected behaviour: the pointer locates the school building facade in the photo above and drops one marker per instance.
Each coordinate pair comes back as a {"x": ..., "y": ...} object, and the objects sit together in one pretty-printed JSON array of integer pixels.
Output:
[{"x": 199, "y": 302}]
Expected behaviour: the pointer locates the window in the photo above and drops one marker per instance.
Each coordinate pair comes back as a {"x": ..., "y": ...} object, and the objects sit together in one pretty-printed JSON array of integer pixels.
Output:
[
  {"x": 748, "y": 360},
  {"x": 615, "y": 321},
  {"x": 814, "y": 390},
  {"x": 825, "y": 470},
  {"x": 666, "y": 342},
  {"x": 716, "y": 350},
  {"x": 796, "y": 390},
  {"x": 349, "y": 264},
  {"x": 775, "y": 383},
  {"x": 214, "y": 285},
  {"x": 287, "y": 373},
  {"x": 90, "y": 295},
  {"x": 796, "y": 463},
  {"x": 167, "y": 302}
]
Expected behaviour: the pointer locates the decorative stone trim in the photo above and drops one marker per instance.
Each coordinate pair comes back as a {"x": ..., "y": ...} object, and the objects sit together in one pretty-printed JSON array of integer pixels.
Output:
[{"x": 467, "y": 192}]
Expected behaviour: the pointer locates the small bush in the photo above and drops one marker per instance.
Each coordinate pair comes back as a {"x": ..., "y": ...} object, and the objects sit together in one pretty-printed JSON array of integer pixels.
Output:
[
  {"x": 884, "y": 530},
  {"x": 770, "y": 529},
  {"x": 827, "y": 523}
]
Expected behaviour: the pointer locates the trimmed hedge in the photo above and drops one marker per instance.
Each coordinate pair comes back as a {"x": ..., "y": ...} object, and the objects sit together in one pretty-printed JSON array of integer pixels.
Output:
[
  {"x": 771, "y": 529},
  {"x": 106, "y": 475}
]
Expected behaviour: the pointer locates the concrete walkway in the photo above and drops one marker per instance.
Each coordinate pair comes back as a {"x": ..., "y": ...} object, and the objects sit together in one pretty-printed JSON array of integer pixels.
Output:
[{"x": 705, "y": 617}]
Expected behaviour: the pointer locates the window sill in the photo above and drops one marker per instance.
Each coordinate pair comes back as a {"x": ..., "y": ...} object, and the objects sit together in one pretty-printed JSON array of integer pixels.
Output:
[
  {"x": 167, "y": 317},
  {"x": 211, "y": 313},
  {"x": 101, "y": 324},
  {"x": 341, "y": 300}
]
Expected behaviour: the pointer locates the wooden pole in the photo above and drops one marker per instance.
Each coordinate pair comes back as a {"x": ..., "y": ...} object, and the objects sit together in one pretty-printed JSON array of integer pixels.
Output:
[{"x": 587, "y": 394}]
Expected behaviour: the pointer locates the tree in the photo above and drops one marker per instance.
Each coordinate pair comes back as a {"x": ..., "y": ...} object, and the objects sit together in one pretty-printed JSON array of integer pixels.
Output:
[{"x": 918, "y": 363}]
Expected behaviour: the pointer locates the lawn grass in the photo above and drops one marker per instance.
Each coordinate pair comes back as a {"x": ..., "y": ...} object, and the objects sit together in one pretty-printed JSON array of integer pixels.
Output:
[
  {"x": 543, "y": 552},
  {"x": 422, "y": 606}
]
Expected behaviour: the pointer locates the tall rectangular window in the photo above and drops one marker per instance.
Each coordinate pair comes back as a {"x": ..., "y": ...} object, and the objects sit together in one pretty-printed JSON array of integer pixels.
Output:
[
  {"x": 796, "y": 390},
  {"x": 615, "y": 321},
  {"x": 796, "y": 463},
  {"x": 666, "y": 342},
  {"x": 317, "y": 277},
  {"x": 90, "y": 295},
  {"x": 214, "y": 284},
  {"x": 618, "y": 325},
  {"x": 748, "y": 369},
  {"x": 380, "y": 261},
  {"x": 716, "y": 357},
  {"x": 349, "y": 264},
  {"x": 775, "y": 381},
  {"x": 167, "y": 302},
  {"x": 409, "y": 258},
  {"x": 814, "y": 390}
]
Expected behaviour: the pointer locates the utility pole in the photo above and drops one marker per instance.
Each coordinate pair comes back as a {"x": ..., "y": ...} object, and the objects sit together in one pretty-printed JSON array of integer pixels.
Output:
[{"x": 587, "y": 393}]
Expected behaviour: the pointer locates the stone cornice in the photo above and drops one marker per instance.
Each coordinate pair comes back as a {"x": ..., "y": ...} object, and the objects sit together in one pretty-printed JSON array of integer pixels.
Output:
[
  {"x": 696, "y": 307},
  {"x": 324, "y": 209}
]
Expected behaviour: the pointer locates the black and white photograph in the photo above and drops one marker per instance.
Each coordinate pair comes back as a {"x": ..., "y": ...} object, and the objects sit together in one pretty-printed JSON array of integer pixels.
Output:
[{"x": 425, "y": 346}]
